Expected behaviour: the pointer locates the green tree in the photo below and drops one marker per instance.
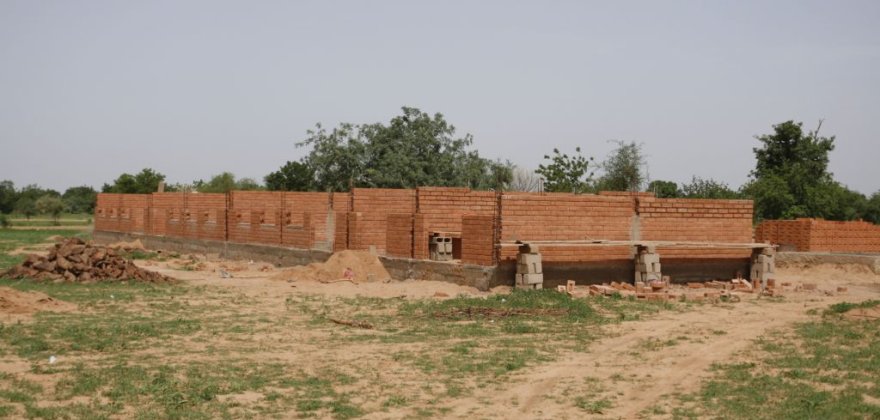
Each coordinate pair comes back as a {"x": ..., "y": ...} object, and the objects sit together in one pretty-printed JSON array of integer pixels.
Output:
[
  {"x": 226, "y": 182},
  {"x": 792, "y": 173},
  {"x": 566, "y": 173},
  {"x": 623, "y": 168},
  {"x": 144, "y": 182},
  {"x": 293, "y": 176},
  {"x": 707, "y": 188},
  {"x": 664, "y": 189},
  {"x": 26, "y": 206},
  {"x": 8, "y": 196},
  {"x": 413, "y": 149},
  {"x": 50, "y": 205},
  {"x": 872, "y": 208},
  {"x": 80, "y": 199}
]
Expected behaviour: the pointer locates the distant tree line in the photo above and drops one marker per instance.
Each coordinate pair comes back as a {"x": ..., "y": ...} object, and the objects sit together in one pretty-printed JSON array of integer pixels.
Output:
[
  {"x": 790, "y": 178},
  {"x": 32, "y": 200}
]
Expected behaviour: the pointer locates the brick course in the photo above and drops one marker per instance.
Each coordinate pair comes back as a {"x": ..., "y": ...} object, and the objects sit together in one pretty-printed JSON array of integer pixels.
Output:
[{"x": 817, "y": 235}]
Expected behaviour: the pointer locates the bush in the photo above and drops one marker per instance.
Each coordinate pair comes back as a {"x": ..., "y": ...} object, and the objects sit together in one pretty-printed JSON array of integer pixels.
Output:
[{"x": 4, "y": 221}]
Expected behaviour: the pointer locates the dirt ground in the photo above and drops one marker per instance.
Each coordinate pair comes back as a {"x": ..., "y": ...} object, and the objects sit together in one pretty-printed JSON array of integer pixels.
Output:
[
  {"x": 625, "y": 365},
  {"x": 636, "y": 365},
  {"x": 16, "y": 306}
]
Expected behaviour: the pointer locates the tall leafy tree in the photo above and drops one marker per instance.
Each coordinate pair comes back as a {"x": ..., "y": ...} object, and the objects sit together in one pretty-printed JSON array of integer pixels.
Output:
[
  {"x": 8, "y": 196},
  {"x": 293, "y": 176},
  {"x": 413, "y": 149},
  {"x": 566, "y": 173},
  {"x": 707, "y": 188},
  {"x": 51, "y": 205},
  {"x": 791, "y": 177},
  {"x": 663, "y": 189},
  {"x": 80, "y": 199},
  {"x": 144, "y": 182},
  {"x": 26, "y": 206},
  {"x": 623, "y": 168}
]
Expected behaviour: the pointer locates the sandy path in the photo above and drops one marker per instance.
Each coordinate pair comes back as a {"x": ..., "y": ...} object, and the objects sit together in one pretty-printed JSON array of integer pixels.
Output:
[{"x": 633, "y": 372}]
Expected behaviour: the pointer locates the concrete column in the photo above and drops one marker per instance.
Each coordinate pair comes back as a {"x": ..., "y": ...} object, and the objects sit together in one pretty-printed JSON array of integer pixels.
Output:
[
  {"x": 529, "y": 273},
  {"x": 763, "y": 266},
  {"x": 647, "y": 263}
]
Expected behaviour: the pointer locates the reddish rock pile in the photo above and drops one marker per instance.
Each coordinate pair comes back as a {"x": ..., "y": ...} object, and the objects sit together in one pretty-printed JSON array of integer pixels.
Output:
[{"x": 76, "y": 261}]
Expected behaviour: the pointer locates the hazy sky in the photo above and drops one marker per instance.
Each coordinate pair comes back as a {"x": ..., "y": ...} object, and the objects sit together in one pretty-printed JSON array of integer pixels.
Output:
[{"x": 89, "y": 90}]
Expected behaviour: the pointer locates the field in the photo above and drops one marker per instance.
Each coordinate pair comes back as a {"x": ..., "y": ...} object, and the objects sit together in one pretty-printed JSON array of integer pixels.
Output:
[{"x": 253, "y": 346}]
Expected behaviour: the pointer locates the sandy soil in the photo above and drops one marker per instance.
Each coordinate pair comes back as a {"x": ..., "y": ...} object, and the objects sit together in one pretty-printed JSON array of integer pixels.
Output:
[
  {"x": 20, "y": 306},
  {"x": 634, "y": 367}
]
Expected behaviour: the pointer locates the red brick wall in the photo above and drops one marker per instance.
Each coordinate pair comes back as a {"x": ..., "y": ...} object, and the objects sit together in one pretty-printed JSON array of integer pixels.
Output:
[
  {"x": 165, "y": 213},
  {"x": 399, "y": 235},
  {"x": 477, "y": 244},
  {"x": 255, "y": 217},
  {"x": 817, "y": 235},
  {"x": 442, "y": 208},
  {"x": 107, "y": 212},
  {"x": 559, "y": 216},
  {"x": 340, "y": 241},
  {"x": 205, "y": 216},
  {"x": 305, "y": 218},
  {"x": 370, "y": 209},
  {"x": 133, "y": 213},
  {"x": 697, "y": 220}
]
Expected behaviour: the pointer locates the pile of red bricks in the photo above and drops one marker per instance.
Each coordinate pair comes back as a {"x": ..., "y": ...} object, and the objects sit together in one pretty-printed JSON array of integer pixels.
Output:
[
  {"x": 399, "y": 222},
  {"x": 817, "y": 235}
]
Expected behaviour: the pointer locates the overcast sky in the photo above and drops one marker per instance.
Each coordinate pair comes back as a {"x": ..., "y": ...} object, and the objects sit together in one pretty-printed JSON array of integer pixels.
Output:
[{"x": 89, "y": 90}]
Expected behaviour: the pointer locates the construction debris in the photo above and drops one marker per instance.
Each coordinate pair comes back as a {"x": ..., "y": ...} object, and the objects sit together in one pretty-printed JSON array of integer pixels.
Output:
[{"x": 77, "y": 261}]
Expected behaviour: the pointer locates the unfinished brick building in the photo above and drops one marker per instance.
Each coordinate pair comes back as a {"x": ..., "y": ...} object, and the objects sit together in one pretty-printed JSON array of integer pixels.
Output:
[{"x": 483, "y": 226}]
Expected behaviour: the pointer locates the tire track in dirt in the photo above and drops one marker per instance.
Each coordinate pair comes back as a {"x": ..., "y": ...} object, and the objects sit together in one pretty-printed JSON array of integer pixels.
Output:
[{"x": 636, "y": 366}]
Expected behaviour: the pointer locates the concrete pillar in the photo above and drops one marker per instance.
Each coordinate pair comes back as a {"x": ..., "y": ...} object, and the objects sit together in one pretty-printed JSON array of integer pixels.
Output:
[
  {"x": 647, "y": 263},
  {"x": 529, "y": 273},
  {"x": 763, "y": 266}
]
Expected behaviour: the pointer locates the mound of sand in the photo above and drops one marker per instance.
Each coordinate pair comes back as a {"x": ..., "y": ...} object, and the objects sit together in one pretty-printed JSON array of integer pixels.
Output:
[
  {"x": 357, "y": 266},
  {"x": 14, "y": 302}
]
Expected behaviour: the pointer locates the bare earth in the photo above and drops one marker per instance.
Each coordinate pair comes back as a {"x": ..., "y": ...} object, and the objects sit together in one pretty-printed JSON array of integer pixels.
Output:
[
  {"x": 637, "y": 365},
  {"x": 624, "y": 366}
]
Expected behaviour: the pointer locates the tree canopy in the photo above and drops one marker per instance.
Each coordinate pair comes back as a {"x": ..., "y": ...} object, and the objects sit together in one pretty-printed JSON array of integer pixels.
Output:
[
  {"x": 224, "y": 183},
  {"x": 566, "y": 173},
  {"x": 80, "y": 199},
  {"x": 791, "y": 177},
  {"x": 144, "y": 182},
  {"x": 413, "y": 149},
  {"x": 623, "y": 168}
]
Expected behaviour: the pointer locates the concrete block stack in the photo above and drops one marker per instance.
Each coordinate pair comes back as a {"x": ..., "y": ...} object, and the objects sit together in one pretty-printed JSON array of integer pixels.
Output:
[
  {"x": 440, "y": 248},
  {"x": 763, "y": 267},
  {"x": 529, "y": 273},
  {"x": 647, "y": 263}
]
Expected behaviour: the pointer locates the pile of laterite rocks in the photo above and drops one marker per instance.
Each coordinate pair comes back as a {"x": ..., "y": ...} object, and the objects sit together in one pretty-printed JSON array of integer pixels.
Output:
[{"x": 74, "y": 260}]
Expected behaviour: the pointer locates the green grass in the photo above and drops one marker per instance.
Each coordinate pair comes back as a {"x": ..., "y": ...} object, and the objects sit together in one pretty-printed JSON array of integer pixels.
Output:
[
  {"x": 66, "y": 219},
  {"x": 823, "y": 369}
]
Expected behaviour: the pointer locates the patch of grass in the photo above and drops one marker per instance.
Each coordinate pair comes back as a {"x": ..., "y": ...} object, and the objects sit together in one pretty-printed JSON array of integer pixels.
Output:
[
  {"x": 57, "y": 334},
  {"x": 790, "y": 374},
  {"x": 592, "y": 406},
  {"x": 843, "y": 307}
]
